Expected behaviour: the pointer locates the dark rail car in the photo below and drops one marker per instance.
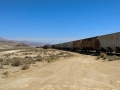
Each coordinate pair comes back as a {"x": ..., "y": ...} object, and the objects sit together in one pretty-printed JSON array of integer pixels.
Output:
[
  {"x": 90, "y": 44},
  {"x": 77, "y": 45}
]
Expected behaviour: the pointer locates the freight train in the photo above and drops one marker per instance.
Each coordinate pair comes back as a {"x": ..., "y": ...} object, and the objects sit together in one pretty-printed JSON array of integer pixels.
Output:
[{"x": 104, "y": 43}]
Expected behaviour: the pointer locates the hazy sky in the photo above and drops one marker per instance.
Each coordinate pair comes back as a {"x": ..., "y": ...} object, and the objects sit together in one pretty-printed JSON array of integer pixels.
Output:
[{"x": 55, "y": 21}]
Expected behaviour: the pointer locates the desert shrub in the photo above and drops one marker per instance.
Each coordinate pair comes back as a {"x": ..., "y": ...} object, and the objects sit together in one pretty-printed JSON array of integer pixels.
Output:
[
  {"x": 8, "y": 55},
  {"x": 39, "y": 58},
  {"x": 27, "y": 57},
  {"x": 118, "y": 58},
  {"x": 49, "y": 61},
  {"x": 103, "y": 55},
  {"x": 6, "y": 73},
  {"x": 33, "y": 62},
  {"x": 1, "y": 67},
  {"x": 61, "y": 53},
  {"x": 16, "y": 63},
  {"x": 69, "y": 55},
  {"x": 115, "y": 57},
  {"x": 28, "y": 61},
  {"x": 25, "y": 67},
  {"x": 110, "y": 58},
  {"x": 54, "y": 57},
  {"x": 1, "y": 59},
  {"x": 64, "y": 54},
  {"x": 5, "y": 62},
  {"x": 25, "y": 53},
  {"x": 47, "y": 58},
  {"x": 98, "y": 57}
]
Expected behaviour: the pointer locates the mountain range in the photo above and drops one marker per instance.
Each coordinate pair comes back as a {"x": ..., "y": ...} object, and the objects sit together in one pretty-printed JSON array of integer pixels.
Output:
[{"x": 29, "y": 43}]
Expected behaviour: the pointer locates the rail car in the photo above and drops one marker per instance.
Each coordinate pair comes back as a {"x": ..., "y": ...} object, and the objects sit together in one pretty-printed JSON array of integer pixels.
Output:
[
  {"x": 69, "y": 45},
  {"x": 105, "y": 43},
  {"x": 90, "y": 44},
  {"x": 47, "y": 46},
  {"x": 110, "y": 42},
  {"x": 76, "y": 45}
]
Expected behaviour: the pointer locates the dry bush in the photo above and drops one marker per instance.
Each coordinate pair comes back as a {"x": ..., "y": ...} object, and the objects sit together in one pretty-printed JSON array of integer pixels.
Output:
[
  {"x": 33, "y": 61},
  {"x": 5, "y": 62},
  {"x": 110, "y": 58},
  {"x": 119, "y": 58},
  {"x": 8, "y": 55},
  {"x": 39, "y": 58},
  {"x": 115, "y": 57},
  {"x": 25, "y": 54},
  {"x": 98, "y": 57},
  {"x": 1, "y": 59},
  {"x": 25, "y": 67},
  {"x": 21, "y": 61},
  {"x": 49, "y": 61},
  {"x": 64, "y": 54},
  {"x": 61, "y": 53},
  {"x": 103, "y": 55},
  {"x": 1, "y": 67},
  {"x": 28, "y": 61},
  {"x": 9, "y": 61},
  {"x": 52, "y": 58},
  {"x": 46, "y": 58},
  {"x": 6, "y": 73},
  {"x": 17, "y": 62},
  {"x": 27, "y": 57}
]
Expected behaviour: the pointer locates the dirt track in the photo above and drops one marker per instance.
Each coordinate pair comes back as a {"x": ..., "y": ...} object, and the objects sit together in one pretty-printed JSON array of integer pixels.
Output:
[{"x": 81, "y": 72}]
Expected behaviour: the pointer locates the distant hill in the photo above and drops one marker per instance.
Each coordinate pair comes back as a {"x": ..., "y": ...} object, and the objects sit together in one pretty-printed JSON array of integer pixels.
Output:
[
  {"x": 2, "y": 39},
  {"x": 29, "y": 43}
]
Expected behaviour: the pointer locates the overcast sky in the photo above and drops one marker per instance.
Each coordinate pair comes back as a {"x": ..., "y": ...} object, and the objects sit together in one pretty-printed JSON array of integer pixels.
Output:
[{"x": 56, "y": 21}]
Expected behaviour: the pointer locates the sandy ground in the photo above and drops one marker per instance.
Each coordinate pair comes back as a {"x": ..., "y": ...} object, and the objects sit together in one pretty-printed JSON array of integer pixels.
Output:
[{"x": 81, "y": 72}]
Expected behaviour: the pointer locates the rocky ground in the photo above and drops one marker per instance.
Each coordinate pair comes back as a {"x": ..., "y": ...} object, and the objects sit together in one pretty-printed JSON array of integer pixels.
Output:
[{"x": 57, "y": 70}]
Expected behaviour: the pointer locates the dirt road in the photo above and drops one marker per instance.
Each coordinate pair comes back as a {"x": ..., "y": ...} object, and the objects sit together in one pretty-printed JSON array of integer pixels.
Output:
[{"x": 81, "y": 72}]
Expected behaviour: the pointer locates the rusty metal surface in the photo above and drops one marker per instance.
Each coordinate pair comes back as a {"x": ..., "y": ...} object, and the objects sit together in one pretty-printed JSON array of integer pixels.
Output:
[
  {"x": 77, "y": 44},
  {"x": 90, "y": 43}
]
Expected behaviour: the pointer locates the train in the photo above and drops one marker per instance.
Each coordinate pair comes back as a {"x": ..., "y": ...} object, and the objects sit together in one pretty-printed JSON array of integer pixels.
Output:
[{"x": 104, "y": 43}]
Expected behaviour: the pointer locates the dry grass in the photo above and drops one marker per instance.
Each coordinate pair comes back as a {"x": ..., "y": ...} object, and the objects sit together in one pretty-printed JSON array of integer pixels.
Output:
[
  {"x": 1, "y": 59},
  {"x": 1, "y": 66},
  {"x": 6, "y": 73},
  {"x": 17, "y": 63},
  {"x": 25, "y": 67},
  {"x": 39, "y": 58},
  {"x": 29, "y": 56},
  {"x": 98, "y": 57},
  {"x": 104, "y": 56},
  {"x": 5, "y": 62}
]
